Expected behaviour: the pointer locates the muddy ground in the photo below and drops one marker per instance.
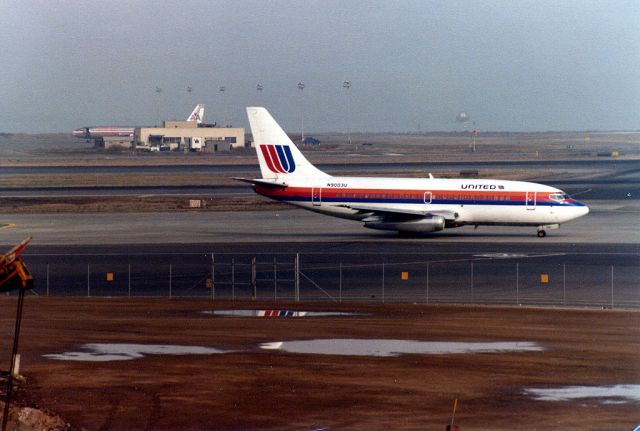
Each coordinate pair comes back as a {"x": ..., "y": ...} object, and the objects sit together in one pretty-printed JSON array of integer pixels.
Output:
[{"x": 252, "y": 388}]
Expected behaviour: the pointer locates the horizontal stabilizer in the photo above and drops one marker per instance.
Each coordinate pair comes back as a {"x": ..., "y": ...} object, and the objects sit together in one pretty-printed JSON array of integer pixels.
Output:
[{"x": 263, "y": 182}]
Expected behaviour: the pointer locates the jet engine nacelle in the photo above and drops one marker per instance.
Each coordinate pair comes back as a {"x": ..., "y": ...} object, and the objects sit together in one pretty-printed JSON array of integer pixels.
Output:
[{"x": 418, "y": 225}]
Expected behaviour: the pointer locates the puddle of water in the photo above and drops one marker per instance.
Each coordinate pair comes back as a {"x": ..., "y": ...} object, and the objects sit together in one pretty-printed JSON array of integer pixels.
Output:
[
  {"x": 275, "y": 313},
  {"x": 615, "y": 394},
  {"x": 382, "y": 347},
  {"x": 103, "y": 352}
]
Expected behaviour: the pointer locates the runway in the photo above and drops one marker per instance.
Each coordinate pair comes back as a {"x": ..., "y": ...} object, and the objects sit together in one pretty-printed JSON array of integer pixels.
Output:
[
  {"x": 609, "y": 222},
  {"x": 591, "y": 180},
  {"x": 328, "y": 167},
  {"x": 172, "y": 254}
]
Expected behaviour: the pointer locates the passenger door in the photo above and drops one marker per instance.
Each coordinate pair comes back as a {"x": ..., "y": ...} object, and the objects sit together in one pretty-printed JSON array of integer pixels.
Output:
[
  {"x": 530, "y": 200},
  {"x": 316, "y": 196}
]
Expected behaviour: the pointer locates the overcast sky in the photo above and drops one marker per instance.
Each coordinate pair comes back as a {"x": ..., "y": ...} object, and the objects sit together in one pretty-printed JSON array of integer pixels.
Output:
[{"x": 511, "y": 65}]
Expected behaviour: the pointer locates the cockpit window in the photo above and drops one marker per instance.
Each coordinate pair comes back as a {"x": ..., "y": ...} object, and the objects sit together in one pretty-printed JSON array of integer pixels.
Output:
[{"x": 558, "y": 197}]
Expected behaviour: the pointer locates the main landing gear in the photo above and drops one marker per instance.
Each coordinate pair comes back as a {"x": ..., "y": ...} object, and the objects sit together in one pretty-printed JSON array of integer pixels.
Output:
[{"x": 541, "y": 232}]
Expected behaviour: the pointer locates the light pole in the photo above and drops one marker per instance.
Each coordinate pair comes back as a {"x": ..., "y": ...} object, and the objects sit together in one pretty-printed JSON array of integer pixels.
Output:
[
  {"x": 158, "y": 92},
  {"x": 347, "y": 85},
  {"x": 189, "y": 91},
  {"x": 301, "y": 88},
  {"x": 259, "y": 88},
  {"x": 475, "y": 133},
  {"x": 222, "y": 89}
]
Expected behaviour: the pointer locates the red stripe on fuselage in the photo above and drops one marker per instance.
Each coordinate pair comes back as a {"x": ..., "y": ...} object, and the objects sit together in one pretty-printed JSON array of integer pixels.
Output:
[{"x": 457, "y": 196}]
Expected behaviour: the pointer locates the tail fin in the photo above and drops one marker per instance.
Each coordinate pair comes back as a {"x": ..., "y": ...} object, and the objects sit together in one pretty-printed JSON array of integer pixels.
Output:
[
  {"x": 198, "y": 114},
  {"x": 279, "y": 157}
]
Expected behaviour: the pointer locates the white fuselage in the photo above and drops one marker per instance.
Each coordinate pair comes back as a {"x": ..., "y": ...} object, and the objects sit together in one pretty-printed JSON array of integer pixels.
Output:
[
  {"x": 475, "y": 202},
  {"x": 411, "y": 205}
]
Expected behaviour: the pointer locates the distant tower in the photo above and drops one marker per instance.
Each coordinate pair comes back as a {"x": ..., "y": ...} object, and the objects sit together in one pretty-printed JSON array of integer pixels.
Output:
[
  {"x": 301, "y": 88},
  {"x": 159, "y": 93}
]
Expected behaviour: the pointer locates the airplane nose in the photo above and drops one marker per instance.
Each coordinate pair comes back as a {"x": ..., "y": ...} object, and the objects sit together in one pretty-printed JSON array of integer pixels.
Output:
[{"x": 584, "y": 210}]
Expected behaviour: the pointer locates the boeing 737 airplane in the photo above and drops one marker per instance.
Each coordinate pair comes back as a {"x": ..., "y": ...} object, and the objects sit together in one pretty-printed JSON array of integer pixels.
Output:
[
  {"x": 413, "y": 205},
  {"x": 196, "y": 115}
]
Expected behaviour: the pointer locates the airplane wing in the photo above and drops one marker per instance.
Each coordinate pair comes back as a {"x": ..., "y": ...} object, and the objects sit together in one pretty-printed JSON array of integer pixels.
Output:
[{"x": 387, "y": 211}]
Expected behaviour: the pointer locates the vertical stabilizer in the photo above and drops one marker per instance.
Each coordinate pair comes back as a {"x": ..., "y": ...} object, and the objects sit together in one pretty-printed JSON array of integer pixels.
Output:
[
  {"x": 279, "y": 157},
  {"x": 197, "y": 114}
]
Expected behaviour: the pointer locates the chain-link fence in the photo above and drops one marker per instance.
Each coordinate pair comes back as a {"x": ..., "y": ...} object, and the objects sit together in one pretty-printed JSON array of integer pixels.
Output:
[{"x": 339, "y": 277}]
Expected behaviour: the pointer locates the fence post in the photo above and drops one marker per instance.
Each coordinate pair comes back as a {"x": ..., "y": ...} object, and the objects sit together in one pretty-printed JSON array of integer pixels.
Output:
[
  {"x": 233, "y": 279},
  {"x": 296, "y": 269},
  {"x": 340, "y": 284},
  {"x": 383, "y": 282},
  {"x": 427, "y": 282},
  {"x": 564, "y": 284},
  {"x": 129, "y": 280},
  {"x": 47, "y": 279},
  {"x": 213, "y": 272},
  {"x": 612, "y": 287},
  {"x": 88, "y": 280},
  {"x": 472, "y": 294},
  {"x": 170, "y": 279},
  {"x": 254, "y": 288},
  {"x": 275, "y": 279},
  {"x": 517, "y": 283}
]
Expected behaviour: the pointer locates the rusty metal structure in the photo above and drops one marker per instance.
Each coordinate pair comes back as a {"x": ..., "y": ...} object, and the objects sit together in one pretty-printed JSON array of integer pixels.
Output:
[
  {"x": 14, "y": 275},
  {"x": 13, "y": 272}
]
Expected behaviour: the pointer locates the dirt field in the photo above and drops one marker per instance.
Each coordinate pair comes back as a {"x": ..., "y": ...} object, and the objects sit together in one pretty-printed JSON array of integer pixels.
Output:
[{"x": 252, "y": 388}]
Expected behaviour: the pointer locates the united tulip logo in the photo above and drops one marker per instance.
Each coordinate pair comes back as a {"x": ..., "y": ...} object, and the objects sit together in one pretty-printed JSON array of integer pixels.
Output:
[{"x": 279, "y": 158}]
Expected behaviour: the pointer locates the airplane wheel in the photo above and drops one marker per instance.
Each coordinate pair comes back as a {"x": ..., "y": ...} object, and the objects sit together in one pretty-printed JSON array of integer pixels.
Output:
[{"x": 542, "y": 234}]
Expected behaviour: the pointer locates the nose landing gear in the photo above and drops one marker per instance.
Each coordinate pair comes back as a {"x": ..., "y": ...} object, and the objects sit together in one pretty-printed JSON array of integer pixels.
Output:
[{"x": 542, "y": 229}]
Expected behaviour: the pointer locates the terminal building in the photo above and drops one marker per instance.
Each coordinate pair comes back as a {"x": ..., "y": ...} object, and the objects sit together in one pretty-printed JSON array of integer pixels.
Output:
[{"x": 188, "y": 136}]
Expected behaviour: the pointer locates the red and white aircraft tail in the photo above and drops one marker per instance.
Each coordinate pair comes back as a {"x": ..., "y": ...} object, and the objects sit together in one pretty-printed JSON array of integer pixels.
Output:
[
  {"x": 401, "y": 204},
  {"x": 280, "y": 160}
]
